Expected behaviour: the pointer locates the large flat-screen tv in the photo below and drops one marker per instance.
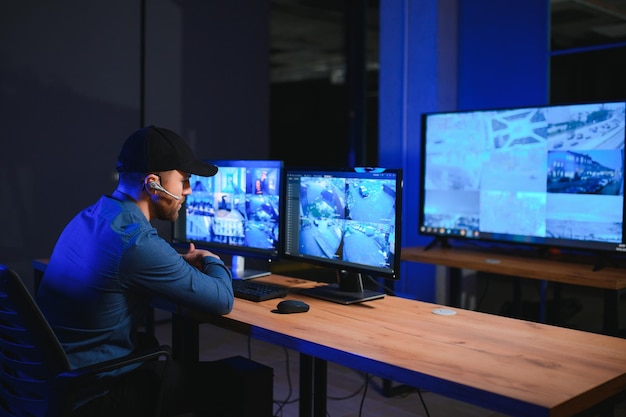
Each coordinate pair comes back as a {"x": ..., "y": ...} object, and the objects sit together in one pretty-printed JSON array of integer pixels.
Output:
[
  {"x": 548, "y": 176},
  {"x": 347, "y": 220},
  {"x": 236, "y": 212}
]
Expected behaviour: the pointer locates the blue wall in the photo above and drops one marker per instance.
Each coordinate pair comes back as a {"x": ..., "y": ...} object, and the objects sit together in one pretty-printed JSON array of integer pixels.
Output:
[
  {"x": 451, "y": 55},
  {"x": 504, "y": 51}
]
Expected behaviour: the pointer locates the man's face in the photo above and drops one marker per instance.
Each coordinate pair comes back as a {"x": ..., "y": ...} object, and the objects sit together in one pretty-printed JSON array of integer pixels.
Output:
[{"x": 177, "y": 183}]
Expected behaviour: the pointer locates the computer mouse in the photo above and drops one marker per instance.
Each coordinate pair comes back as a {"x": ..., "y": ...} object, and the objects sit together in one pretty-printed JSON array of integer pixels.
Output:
[{"x": 292, "y": 306}]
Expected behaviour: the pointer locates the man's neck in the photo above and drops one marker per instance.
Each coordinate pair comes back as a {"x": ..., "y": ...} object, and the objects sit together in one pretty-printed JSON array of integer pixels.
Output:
[{"x": 136, "y": 196}]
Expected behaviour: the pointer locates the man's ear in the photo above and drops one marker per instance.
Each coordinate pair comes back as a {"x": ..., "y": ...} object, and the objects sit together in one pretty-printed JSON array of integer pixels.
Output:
[
  {"x": 151, "y": 178},
  {"x": 151, "y": 183}
]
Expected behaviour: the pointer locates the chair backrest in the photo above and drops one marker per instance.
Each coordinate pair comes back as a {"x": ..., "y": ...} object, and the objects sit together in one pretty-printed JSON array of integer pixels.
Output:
[{"x": 30, "y": 353}]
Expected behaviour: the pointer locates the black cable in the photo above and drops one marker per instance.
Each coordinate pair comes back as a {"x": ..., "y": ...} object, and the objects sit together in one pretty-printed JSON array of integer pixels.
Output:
[
  {"x": 281, "y": 404},
  {"x": 482, "y": 297},
  {"x": 388, "y": 290},
  {"x": 419, "y": 392},
  {"x": 367, "y": 383},
  {"x": 347, "y": 397}
]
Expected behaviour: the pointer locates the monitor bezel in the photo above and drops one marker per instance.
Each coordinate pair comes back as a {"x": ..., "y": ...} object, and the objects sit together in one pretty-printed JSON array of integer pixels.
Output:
[
  {"x": 179, "y": 227},
  {"x": 342, "y": 267},
  {"x": 445, "y": 235}
]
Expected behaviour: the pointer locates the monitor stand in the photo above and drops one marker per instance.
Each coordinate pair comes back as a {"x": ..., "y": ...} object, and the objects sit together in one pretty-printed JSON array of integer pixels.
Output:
[
  {"x": 239, "y": 270},
  {"x": 348, "y": 290},
  {"x": 438, "y": 240}
]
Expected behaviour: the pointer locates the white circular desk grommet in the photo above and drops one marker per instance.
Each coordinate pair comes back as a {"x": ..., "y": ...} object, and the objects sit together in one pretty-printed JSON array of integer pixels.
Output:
[{"x": 444, "y": 312}]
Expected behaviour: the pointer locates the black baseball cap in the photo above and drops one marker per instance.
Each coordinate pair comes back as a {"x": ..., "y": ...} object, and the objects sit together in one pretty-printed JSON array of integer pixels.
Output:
[{"x": 156, "y": 149}]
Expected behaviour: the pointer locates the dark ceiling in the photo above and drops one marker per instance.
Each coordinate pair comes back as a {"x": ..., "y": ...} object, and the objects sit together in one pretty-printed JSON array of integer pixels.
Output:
[{"x": 307, "y": 36}]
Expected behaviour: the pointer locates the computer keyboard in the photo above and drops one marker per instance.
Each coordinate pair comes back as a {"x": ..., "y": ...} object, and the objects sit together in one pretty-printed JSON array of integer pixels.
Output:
[{"x": 257, "y": 291}]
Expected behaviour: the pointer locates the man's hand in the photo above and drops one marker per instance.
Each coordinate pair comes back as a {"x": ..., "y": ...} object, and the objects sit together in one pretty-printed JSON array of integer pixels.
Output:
[{"x": 194, "y": 256}]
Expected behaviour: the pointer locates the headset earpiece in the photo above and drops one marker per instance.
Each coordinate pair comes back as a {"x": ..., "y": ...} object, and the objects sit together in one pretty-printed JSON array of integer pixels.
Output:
[{"x": 158, "y": 187}]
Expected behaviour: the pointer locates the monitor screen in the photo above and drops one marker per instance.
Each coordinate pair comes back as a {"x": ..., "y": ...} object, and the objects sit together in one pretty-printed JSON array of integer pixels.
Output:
[
  {"x": 345, "y": 219},
  {"x": 237, "y": 211},
  {"x": 549, "y": 176}
]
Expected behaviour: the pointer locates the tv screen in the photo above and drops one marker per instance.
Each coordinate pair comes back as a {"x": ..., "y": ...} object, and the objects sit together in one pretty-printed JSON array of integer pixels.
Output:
[
  {"x": 549, "y": 175},
  {"x": 237, "y": 211},
  {"x": 345, "y": 219}
]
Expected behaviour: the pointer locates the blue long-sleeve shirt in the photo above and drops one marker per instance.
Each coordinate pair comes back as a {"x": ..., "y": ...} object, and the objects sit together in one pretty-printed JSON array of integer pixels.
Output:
[{"x": 106, "y": 266}]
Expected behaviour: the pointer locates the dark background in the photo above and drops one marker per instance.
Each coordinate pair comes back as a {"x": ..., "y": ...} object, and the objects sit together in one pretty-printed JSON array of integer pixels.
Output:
[{"x": 309, "y": 82}]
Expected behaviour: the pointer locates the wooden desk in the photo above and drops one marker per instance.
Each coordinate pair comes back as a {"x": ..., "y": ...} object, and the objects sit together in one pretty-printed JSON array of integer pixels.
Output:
[
  {"x": 565, "y": 270},
  {"x": 511, "y": 366}
]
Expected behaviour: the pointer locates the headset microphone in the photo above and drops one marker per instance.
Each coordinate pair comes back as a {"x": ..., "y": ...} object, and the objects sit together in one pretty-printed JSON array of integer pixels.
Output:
[{"x": 159, "y": 187}]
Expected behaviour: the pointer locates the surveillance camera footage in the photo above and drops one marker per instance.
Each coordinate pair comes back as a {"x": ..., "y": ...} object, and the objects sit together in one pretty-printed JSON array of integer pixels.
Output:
[
  {"x": 542, "y": 174},
  {"x": 344, "y": 217},
  {"x": 239, "y": 206}
]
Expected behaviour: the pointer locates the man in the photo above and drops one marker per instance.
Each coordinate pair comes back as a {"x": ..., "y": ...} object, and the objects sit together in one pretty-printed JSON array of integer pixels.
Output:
[{"x": 109, "y": 262}]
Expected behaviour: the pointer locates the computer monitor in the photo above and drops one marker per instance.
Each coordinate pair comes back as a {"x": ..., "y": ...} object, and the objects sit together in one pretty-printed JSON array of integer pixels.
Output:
[
  {"x": 235, "y": 212},
  {"x": 545, "y": 176},
  {"x": 345, "y": 219}
]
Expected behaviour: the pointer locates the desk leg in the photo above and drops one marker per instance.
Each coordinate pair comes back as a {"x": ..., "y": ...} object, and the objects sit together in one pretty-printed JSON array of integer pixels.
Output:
[
  {"x": 313, "y": 382},
  {"x": 454, "y": 287},
  {"x": 319, "y": 388},
  {"x": 517, "y": 298},
  {"x": 543, "y": 317},
  {"x": 610, "y": 323},
  {"x": 185, "y": 338}
]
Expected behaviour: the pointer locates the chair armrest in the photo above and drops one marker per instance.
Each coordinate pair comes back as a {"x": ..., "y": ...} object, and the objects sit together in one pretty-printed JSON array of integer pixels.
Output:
[
  {"x": 113, "y": 364},
  {"x": 65, "y": 387}
]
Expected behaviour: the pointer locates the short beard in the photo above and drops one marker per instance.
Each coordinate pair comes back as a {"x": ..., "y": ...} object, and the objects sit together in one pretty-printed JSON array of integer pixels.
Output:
[{"x": 165, "y": 211}]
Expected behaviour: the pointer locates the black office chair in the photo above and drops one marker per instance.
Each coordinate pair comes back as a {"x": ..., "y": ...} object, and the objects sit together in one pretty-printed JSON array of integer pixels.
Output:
[{"x": 35, "y": 375}]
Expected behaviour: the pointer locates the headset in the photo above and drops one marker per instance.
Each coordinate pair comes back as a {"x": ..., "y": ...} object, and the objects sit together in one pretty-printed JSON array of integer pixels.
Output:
[{"x": 158, "y": 187}]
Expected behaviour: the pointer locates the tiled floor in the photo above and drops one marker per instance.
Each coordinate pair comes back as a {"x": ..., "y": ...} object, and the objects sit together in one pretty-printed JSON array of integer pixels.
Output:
[{"x": 348, "y": 393}]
